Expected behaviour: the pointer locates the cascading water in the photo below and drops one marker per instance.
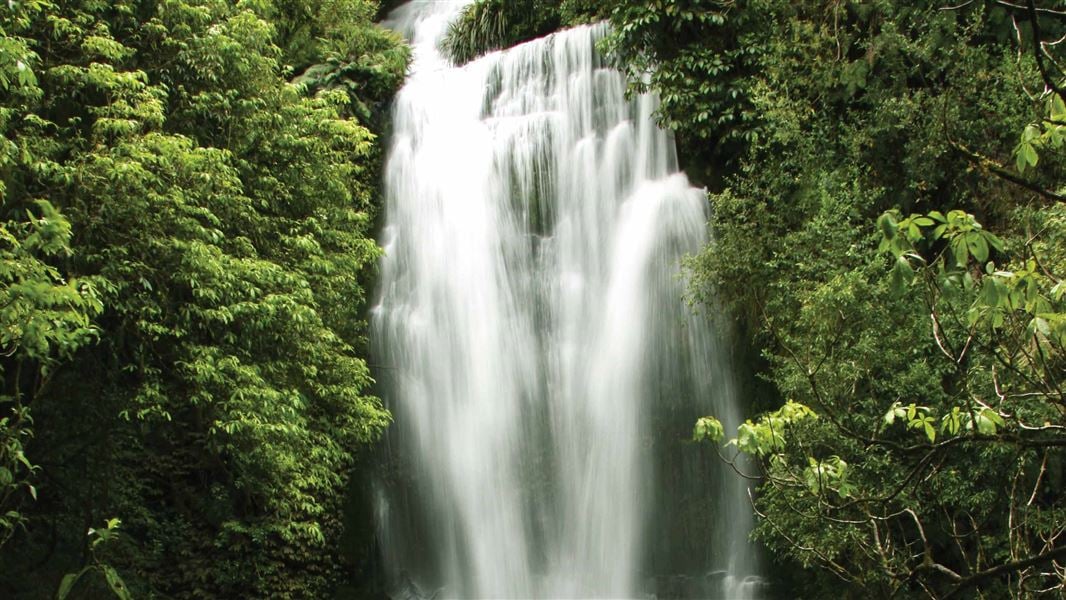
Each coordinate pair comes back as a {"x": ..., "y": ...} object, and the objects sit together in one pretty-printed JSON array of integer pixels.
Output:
[{"x": 532, "y": 329}]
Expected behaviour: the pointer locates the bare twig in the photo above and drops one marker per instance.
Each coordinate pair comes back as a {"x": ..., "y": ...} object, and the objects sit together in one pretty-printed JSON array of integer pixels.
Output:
[
  {"x": 1005, "y": 568},
  {"x": 1038, "y": 49}
]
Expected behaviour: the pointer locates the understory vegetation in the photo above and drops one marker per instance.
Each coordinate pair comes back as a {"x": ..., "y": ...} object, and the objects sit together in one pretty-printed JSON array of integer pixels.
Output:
[{"x": 185, "y": 247}]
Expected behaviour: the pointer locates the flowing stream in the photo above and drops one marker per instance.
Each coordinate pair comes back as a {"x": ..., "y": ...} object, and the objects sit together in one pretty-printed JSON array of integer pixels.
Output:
[{"x": 534, "y": 339}]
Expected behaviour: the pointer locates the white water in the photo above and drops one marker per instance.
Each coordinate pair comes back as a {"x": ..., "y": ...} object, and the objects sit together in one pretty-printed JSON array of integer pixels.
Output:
[{"x": 530, "y": 317}]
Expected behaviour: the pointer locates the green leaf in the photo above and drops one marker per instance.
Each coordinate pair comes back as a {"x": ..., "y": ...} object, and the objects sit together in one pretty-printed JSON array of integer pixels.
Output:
[
  {"x": 1030, "y": 155},
  {"x": 66, "y": 585},
  {"x": 747, "y": 439},
  {"x": 977, "y": 246},
  {"x": 68, "y": 582},
  {"x": 902, "y": 275},
  {"x": 962, "y": 253},
  {"x": 989, "y": 296},
  {"x": 887, "y": 223},
  {"x": 1038, "y": 324},
  {"x": 115, "y": 583},
  {"x": 913, "y": 232},
  {"x": 992, "y": 240},
  {"x": 708, "y": 429},
  {"x": 952, "y": 422},
  {"x": 987, "y": 421}
]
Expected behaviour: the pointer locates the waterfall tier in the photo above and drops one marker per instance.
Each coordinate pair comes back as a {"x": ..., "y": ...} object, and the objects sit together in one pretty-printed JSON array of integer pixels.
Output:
[{"x": 532, "y": 324}]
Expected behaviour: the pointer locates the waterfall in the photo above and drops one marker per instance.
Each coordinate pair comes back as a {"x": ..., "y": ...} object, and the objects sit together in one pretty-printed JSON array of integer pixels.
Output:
[{"x": 531, "y": 328}]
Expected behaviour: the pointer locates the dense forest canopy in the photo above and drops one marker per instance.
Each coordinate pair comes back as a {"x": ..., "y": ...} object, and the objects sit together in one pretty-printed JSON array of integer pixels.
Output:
[
  {"x": 188, "y": 190},
  {"x": 185, "y": 245},
  {"x": 890, "y": 235}
]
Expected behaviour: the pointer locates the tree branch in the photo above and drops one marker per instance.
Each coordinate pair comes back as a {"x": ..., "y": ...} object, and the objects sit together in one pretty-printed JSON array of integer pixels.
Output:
[
  {"x": 1038, "y": 50},
  {"x": 1000, "y": 171},
  {"x": 1044, "y": 11},
  {"x": 1017, "y": 565}
]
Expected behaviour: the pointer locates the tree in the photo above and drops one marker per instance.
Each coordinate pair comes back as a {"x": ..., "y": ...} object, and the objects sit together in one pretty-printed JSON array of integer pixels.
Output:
[
  {"x": 915, "y": 440},
  {"x": 45, "y": 315},
  {"x": 222, "y": 216}
]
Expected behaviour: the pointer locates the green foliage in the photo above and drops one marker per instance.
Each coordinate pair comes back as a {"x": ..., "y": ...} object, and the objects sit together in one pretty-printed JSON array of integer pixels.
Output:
[
  {"x": 964, "y": 236},
  {"x": 45, "y": 318},
  {"x": 708, "y": 429},
  {"x": 699, "y": 57},
  {"x": 369, "y": 78},
  {"x": 766, "y": 435},
  {"x": 185, "y": 249},
  {"x": 1047, "y": 134},
  {"x": 45, "y": 313},
  {"x": 306, "y": 31},
  {"x": 900, "y": 278},
  {"x": 332, "y": 44},
  {"x": 114, "y": 581},
  {"x": 487, "y": 25},
  {"x": 575, "y": 12}
]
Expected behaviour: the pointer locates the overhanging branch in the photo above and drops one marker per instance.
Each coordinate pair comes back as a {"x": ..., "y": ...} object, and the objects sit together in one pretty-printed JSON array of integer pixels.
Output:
[
  {"x": 1002, "y": 172},
  {"x": 1017, "y": 565}
]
